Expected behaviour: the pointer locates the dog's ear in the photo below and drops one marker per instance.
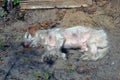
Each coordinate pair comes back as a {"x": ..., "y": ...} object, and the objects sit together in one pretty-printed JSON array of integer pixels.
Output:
[
  {"x": 32, "y": 29},
  {"x": 27, "y": 35}
]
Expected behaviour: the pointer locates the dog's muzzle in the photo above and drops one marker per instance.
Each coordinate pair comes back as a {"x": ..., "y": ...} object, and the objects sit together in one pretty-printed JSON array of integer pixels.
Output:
[{"x": 26, "y": 44}]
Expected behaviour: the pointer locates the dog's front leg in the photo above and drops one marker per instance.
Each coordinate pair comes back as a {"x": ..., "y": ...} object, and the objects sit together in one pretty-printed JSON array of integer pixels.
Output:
[
  {"x": 49, "y": 50},
  {"x": 59, "y": 45}
]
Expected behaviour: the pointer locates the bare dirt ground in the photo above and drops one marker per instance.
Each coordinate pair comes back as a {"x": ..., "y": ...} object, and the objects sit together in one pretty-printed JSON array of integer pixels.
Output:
[{"x": 17, "y": 63}]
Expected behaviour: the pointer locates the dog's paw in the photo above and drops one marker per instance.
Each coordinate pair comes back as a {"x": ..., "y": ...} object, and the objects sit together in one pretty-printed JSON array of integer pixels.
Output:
[
  {"x": 63, "y": 55},
  {"x": 84, "y": 57},
  {"x": 89, "y": 57}
]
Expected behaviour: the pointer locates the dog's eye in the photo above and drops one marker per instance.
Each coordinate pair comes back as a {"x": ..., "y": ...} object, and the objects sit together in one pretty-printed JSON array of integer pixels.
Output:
[{"x": 29, "y": 36}]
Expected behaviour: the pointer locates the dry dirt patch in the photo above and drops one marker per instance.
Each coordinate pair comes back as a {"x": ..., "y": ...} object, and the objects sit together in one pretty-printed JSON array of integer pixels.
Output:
[{"x": 28, "y": 65}]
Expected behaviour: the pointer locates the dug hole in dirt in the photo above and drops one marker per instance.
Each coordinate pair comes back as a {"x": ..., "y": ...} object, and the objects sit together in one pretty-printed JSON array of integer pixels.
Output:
[{"x": 17, "y": 63}]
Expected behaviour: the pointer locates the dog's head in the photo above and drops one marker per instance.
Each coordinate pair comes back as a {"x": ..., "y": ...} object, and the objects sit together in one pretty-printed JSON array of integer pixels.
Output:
[{"x": 29, "y": 39}]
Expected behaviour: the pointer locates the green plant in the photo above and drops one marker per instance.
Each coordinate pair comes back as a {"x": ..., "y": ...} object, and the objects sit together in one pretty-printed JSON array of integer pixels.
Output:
[
  {"x": 46, "y": 75},
  {"x": 70, "y": 68},
  {"x": 26, "y": 59},
  {"x": 36, "y": 74},
  {"x": 2, "y": 13},
  {"x": 16, "y": 2},
  {"x": 2, "y": 43}
]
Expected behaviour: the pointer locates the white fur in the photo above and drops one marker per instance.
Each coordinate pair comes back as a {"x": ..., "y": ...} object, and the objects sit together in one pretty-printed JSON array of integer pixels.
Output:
[{"x": 92, "y": 42}]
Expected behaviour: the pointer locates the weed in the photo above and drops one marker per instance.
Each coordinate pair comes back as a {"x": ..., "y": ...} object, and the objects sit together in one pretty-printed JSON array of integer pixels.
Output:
[
  {"x": 16, "y": 2},
  {"x": 2, "y": 13},
  {"x": 70, "y": 68},
  {"x": 2, "y": 43},
  {"x": 26, "y": 59},
  {"x": 36, "y": 75},
  {"x": 46, "y": 75}
]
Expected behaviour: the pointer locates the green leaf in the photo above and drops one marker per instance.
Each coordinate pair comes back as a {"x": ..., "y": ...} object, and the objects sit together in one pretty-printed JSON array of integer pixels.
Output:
[
  {"x": 2, "y": 13},
  {"x": 2, "y": 43},
  {"x": 26, "y": 59},
  {"x": 16, "y": 2},
  {"x": 36, "y": 74},
  {"x": 70, "y": 68},
  {"x": 46, "y": 75}
]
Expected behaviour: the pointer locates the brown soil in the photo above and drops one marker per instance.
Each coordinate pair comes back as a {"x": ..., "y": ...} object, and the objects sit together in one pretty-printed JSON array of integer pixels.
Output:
[{"x": 17, "y": 63}]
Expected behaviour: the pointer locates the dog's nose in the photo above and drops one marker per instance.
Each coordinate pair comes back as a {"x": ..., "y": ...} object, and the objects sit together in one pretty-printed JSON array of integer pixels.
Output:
[{"x": 26, "y": 44}]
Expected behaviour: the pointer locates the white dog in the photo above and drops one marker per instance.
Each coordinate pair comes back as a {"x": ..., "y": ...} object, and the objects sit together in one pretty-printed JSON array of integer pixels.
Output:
[{"x": 92, "y": 42}]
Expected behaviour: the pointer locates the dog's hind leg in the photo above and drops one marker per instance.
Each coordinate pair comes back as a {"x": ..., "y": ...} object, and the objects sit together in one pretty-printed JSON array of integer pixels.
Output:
[{"x": 91, "y": 54}]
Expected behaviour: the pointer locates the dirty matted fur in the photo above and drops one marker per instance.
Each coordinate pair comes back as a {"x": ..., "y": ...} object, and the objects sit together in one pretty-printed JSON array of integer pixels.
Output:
[{"x": 92, "y": 42}]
